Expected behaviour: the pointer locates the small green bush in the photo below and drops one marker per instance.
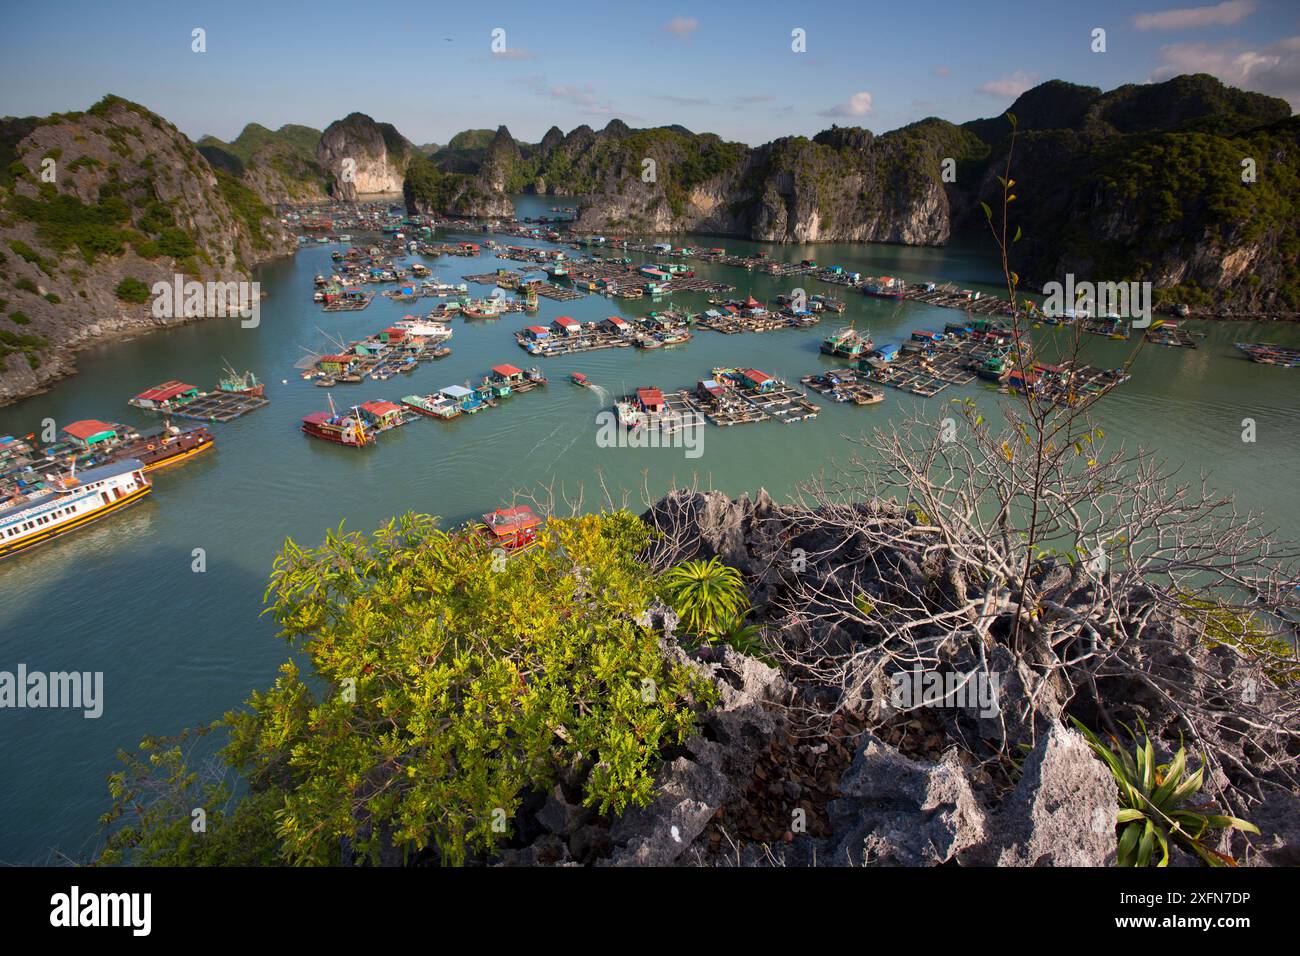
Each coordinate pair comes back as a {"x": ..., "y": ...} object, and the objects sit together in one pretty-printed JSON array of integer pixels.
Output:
[{"x": 132, "y": 290}]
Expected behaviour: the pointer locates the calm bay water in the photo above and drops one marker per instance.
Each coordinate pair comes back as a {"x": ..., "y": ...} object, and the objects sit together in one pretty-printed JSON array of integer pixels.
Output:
[{"x": 178, "y": 648}]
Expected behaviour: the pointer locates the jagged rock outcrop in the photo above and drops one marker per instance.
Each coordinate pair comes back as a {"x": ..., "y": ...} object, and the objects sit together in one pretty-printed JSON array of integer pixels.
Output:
[
  {"x": 363, "y": 156},
  {"x": 124, "y": 196},
  {"x": 280, "y": 165}
]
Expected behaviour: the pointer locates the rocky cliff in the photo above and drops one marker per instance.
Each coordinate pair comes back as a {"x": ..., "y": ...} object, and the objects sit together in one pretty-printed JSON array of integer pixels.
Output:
[
  {"x": 363, "y": 156},
  {"x": 95, "y": 207},
  {"x": 876, "y": 781},
  {"x": 1145, "y": 182},
  {"x": 280, "y": 165},
  {"x": 1188, "y": 184}
]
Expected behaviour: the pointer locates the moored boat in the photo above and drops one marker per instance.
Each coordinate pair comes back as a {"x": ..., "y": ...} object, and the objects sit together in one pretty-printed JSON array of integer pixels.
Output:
[
  {"x": 70, "y": 502},
  {"x": 1266, "y": 354},
  {"x": 236, "y": 384},
  {"x": 511, "y": 529},
  {"x": 349, "y": 430}
]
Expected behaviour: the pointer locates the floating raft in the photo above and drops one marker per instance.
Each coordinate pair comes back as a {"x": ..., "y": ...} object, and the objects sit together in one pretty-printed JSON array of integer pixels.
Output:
[
  {"x": 572, "y": 344},
  {"x": 728, "y": 408},
  {"x": 219, "y": 407},
  {"x": 1173, "y": 335},
  {"x": 679, "y": 413},
  {"x": 355, "y": 304},
  {"x": 844, "y": 385}
]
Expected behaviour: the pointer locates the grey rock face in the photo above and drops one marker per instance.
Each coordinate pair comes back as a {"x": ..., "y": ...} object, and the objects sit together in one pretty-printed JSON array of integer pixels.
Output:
[
  {"x": 901, "y": 812},
  {"x": 1062, "y": 813}
]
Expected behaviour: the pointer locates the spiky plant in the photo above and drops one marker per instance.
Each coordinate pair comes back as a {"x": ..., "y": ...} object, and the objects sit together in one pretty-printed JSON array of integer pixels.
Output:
[
  {"x": 1153, "y": 804},
  {"x": 707, "y": 595}
]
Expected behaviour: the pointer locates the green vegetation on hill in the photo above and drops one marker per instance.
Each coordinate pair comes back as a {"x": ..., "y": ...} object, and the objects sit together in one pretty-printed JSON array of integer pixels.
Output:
[{"x": 446, "y": 689}]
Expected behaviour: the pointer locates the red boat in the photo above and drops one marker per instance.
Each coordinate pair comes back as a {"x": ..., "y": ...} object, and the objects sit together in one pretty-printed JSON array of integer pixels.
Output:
[
  {"x": 330, "y": 426},
  {"x": 513, "y": 529}
]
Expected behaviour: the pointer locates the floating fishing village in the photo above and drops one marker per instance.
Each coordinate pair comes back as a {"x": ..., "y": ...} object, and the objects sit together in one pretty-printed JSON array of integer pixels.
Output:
[{"x": 94, "y": 467}]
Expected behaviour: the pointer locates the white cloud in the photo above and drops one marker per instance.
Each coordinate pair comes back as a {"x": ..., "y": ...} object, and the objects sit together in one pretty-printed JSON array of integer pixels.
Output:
[
  {"x": 682, "y": 27},
  {"x": 1273, "y": 69},
  {"x": 1010, "y": 86},
  {"x": 1189, "y": 18},
  {"x": 583, "y": 97},
  {"x": 859, "y": 104}
]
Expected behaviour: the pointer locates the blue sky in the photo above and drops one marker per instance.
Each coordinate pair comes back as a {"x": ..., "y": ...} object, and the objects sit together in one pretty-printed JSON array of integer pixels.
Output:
[{"x": 429, "y": 68}]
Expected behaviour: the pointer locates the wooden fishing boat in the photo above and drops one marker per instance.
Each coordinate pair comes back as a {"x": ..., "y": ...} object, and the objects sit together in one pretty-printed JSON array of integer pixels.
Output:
[
  {"x": 235, "y": 384},
  {"x": 1266, "y": 354},
  {"x": 577, "y": 378},
  {"x": 347, "y": 430},
  {"x": 512, "y": 529}
]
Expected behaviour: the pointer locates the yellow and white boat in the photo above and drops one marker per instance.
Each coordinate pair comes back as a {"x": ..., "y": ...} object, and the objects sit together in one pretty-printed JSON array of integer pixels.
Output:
[{"x": 71, "y": 502}]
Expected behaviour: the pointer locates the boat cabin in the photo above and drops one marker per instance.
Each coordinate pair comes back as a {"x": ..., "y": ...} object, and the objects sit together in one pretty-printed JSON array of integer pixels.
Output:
[
  {"x": 566, "y": 325},
  {"x": 511, "y": 528}
]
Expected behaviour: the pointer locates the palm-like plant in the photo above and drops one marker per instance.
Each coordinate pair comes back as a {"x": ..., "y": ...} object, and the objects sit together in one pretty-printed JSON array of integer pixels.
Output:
[
  {"x": 707, "y": 595},
  {"x": 743, "y": 635},
  {"x": 1153, "y": 799}
]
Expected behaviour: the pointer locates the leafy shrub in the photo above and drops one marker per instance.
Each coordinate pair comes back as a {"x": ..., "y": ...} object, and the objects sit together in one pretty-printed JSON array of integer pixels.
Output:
[
  {"x": 442, "y": 691},
  {"x": 132, "y": 290}
]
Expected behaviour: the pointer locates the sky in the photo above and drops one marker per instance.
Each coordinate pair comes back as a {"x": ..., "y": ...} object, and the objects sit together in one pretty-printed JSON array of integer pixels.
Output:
[{"x": 433, "y": 68}]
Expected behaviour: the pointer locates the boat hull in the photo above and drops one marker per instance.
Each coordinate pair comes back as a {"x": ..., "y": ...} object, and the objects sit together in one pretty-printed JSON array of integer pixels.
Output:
[{"x": 22, "y": 545}]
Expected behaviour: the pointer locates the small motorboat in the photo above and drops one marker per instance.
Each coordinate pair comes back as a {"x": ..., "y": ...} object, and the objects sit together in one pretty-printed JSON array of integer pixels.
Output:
[{"x": 577, "y": 378}]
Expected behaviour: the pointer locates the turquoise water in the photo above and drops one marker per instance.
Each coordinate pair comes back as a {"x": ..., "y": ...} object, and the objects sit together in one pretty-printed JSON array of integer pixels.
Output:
[{"x": 178, "y": 647}]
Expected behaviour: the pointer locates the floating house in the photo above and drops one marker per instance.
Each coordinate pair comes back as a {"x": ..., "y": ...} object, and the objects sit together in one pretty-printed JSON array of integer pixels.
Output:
[
  {"x": 537, "y": 333},
  {"x": 90, "y": 434},
  {"x": 507, "y": 374},
  {"x": 759, "y": 381},
  {"x": 711, "y": 391},
  {"x": 566, "y": 325},
  {"x": 381, "y": 416},
  {"x": 651, "y": 400},
  {"x": 466, "y": 398},
  {"x": 616, "y": 324},
  {"x": 166, "y": 397}
]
